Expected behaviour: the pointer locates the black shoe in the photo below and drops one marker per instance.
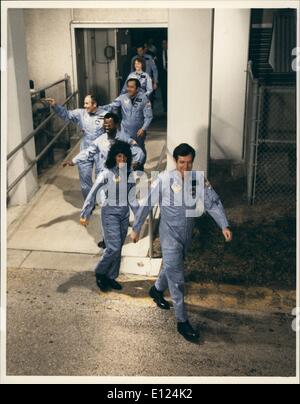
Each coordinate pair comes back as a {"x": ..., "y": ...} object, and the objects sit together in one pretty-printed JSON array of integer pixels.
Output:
[
  {"x": 102, "y": 244},
  {"x": 114, "y": 284},
  {"x": 102, "y": 283},
  {"x": 158, "y": 297},
  {"x": 187, "y": 331}
]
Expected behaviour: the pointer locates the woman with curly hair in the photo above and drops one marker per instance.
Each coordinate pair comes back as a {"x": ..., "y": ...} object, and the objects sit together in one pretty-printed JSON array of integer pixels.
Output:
[
  {"x": 117, "y": 183},
  {"x": 139, "y": 67}
]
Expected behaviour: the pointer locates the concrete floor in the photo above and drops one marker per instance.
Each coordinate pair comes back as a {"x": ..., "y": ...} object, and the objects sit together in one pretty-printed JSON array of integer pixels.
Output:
[
  {"x": 60, "y": 324},
  {"x": 51, "y": 221}
]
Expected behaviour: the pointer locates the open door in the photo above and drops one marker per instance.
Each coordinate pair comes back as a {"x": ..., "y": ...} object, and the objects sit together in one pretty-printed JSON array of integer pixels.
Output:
[
  {"x": 124, "y": 55},
  {"x": 81, "y": 66},
  {"x": 96, "y": 64}
]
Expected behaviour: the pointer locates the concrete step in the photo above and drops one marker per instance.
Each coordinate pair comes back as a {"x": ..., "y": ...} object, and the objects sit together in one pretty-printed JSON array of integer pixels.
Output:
[{"x": 70, "y": 262}]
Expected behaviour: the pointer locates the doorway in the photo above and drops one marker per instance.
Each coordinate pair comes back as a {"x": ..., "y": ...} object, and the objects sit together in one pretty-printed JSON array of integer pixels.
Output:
[{"x": 103, "y": 63}]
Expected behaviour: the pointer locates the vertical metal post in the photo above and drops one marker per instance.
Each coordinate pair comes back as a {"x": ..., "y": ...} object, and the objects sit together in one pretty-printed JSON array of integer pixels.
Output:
[
  {"x": 252, "y": 143},
  {"x": 151, "y": 233},
  {"x": 67, "y": 135},
  {"x": 260, "y": 97}
]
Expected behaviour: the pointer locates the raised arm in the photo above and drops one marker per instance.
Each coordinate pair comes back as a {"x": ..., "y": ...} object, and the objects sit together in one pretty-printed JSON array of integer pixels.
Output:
[{"x": 68, "y": 116}]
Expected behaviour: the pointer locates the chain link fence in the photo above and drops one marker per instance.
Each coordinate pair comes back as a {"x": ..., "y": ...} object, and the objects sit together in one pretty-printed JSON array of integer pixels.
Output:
[{"x": 271, "y": 146}]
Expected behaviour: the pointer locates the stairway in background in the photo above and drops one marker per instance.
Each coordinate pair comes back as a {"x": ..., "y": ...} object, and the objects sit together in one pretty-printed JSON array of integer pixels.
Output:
[{"x": 260, "y": 45}]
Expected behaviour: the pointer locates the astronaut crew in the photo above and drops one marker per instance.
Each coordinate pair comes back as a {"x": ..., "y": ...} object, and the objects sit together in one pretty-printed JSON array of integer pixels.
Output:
[
  {"x": 176, "y": 229},
  {"x": 90, "y": 121}
]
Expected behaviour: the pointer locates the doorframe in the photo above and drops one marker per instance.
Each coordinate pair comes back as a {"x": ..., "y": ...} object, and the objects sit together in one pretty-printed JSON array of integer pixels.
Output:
[{"x": 91, "y": 25}]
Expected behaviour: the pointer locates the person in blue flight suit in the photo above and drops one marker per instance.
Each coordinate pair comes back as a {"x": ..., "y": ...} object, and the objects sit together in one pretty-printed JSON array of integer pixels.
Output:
[
  {"x": 101, "y": 146},
  {"x": 117, "y": 182},
  {"x": 151, "y": 67},
  {"x": 176, "y": 228},
  {"x": 141, "y": 75},
  {"x": 136, "y": 110},
  {"x": 90, "y": 121}
]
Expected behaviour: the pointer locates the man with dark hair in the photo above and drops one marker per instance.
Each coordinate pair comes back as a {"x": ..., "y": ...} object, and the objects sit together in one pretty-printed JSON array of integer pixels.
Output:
[
  {"x": 183, "y": 194},
  {"x": 136, "y": 111},
  {"x": 102, "y": 145},
  {"x": 90, "y": 121},
  {"x": 151, "y": 67}
]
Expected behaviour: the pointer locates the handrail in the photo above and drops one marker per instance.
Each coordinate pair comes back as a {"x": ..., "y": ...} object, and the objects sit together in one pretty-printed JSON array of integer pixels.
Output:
[
  {"x": 38, "y": 158},
  {"x": 36, "y": 131},
  {"x": 49, "y": 86}
]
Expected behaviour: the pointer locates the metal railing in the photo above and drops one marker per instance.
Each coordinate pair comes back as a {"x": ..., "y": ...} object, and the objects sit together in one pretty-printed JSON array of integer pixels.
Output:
[
  {"x": 37, "y": 131},
  {"x": 153, "y": 213}
]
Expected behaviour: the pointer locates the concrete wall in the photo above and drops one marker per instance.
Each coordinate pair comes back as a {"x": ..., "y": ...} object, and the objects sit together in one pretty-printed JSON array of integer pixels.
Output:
[
  {"x": 19, "y": 123},
  {"x": 190, "y": 40},
  {"x": 231, "y": 46},
  {"x": 48, "y": 44},
  {"x": 126, "y": 15},
  {"x": 48, "y": 39}
]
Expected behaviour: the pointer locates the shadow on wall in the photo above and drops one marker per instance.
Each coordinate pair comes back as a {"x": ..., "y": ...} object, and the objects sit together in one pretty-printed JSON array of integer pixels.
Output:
[{"x": 222, "y": 147}]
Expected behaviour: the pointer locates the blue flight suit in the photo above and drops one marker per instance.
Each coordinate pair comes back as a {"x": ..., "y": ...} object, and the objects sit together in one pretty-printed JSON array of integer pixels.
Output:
[
  {"x": 176, "y": 228},
  {"x": 151, "y": 67},
  {"x": 144, "y": 79},
  {"x": 136, "y": 114},
  {"x": 115, "y": 217},
  {"x": 91, "y": 126},
  {"x": 101, "y": 147}
]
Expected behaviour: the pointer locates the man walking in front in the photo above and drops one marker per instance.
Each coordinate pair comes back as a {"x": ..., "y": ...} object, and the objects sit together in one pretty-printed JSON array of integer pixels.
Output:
[{"x": 172, "y": 190}]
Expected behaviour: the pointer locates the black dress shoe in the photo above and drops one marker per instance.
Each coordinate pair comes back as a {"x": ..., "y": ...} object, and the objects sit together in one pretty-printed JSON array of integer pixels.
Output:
[
  {"x": 102, "y": 283},
  {"x": 102, "y": 244},
  {"x": 158, "y": 297},
  {"x": 114, "y": 284},
  {"x": 187, "y": 331}
]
